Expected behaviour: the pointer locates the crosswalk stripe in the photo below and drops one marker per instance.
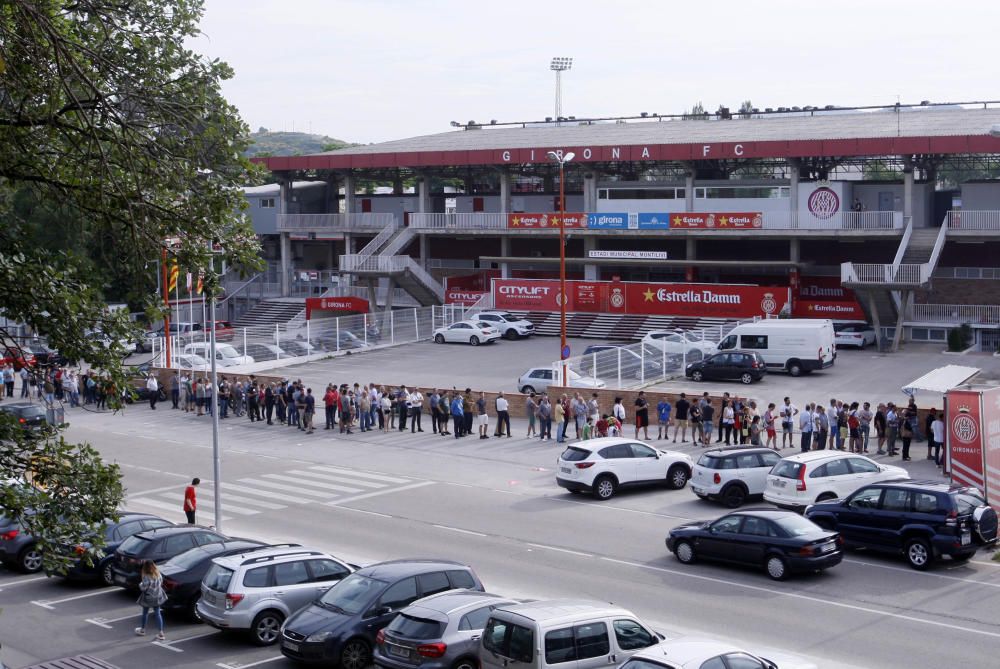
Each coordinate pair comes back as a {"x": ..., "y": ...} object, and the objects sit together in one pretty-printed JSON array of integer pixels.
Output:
[
  {"x": 349, "y": 472},
  {"x": 338, "y": 479},
  {"x": 228, "y": 496},
  {"x": 267, "y": 494},
  {"x": 171, "y": 507},
  {"x": 288, "y": 488},
  {"x": 315, "y": 484}
]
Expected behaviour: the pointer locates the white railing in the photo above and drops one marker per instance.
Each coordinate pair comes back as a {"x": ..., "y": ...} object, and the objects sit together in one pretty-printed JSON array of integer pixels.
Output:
[
  {"x": 974, "y": 220},
  {"x": 903, "y": 243},
  {"x": 372, "y": 263},
  {"x": 472, "y": 221},
  {"x": 842, "y": 220},
  {"x": 908, "y": 274},
  {"x": 398, "y": 242},
  {"x": 379, "y": 240},
  {"x": 321, "y": 222},
  {"x": 939, "y": 242},
  {"x": 954, "y": 313}
]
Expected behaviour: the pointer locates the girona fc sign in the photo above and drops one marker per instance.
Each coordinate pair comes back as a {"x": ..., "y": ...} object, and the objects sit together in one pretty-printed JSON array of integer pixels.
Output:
[
  {"x": 823, "y": 202},
  {"x": 964, "y": 428}
]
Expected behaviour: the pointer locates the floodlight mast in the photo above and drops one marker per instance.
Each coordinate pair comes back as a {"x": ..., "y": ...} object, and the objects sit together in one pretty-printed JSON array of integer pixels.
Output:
[{"x": 559, "y": 65}]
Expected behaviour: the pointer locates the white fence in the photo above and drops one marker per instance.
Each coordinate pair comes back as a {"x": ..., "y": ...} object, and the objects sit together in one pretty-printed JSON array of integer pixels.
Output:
[
  {"x": 333, "y": 222},
  {"x": 954, "y": 313},
  {"x": 974, "y": 220},
  {"x": 875, "y": 274},
  {"x": 476, "y": 221}
]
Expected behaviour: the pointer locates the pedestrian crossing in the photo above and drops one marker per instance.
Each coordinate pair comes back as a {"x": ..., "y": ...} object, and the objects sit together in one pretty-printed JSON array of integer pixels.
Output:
[{"x": 252, "y": 495}]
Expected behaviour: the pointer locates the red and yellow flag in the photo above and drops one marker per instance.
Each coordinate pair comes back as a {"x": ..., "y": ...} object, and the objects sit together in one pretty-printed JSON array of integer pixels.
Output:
[{"x": 175, "y": 272}]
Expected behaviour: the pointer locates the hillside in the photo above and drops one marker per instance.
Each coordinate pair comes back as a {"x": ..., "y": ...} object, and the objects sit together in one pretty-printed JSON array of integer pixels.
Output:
[{"x": 274, "y": 143}]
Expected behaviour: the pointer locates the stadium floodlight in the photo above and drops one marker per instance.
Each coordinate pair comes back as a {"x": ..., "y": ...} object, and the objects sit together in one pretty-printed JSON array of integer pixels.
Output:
[
  {"x": 456, "y": 124},
  {"x": 560, "y": 65}
]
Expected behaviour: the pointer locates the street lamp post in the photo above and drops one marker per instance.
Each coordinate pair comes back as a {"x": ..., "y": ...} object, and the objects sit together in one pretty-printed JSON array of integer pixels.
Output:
[{"x": 562, "y": 159}]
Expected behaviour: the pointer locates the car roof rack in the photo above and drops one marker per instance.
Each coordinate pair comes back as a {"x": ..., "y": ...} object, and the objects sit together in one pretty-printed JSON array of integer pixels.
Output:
[{"x": 271, "y": 558}]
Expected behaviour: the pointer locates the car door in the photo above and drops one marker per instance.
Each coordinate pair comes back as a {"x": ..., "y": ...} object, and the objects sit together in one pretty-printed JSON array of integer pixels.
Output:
[
  {"x": 397, "y": 596},
  {"x": 836, "y": 477},
  {"x": 855, "y": 518},
  {"x": 864, "y": 471},
  {"x": 750, "y": 543},
  {"x": 722, "y": 366},
  {"x": 470, "y": 628},
  {"x": 891, "y": 515},
  {"x": 756, "y": 477},
  {"x": 631, "y": 636},
  {"x": 617, "y": 459},
  {"x": 293, "y": 584},
  {"x": 648, "y": 465},
  {"x": 540, "y": 379},
  {"x": 432, "y": 583},
  {"x": 325, "y": 573},
  {"x": 593, "y": 645},
  {"x": 718, "y": 544}
]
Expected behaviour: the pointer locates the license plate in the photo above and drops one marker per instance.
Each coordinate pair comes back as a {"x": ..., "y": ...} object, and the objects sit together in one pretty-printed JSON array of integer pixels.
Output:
[
  {"x": 209, "y": 598},
  {"x": 827, "y": 547},
  {"x": 697, "y": 491},
  {"x": 290, "y": 646},
  {"x": 778, "y": 483},
  {"x": 565, "y": 470},
  {"x": 966, "y": 538},
  {"x": 399, "y": 651}
]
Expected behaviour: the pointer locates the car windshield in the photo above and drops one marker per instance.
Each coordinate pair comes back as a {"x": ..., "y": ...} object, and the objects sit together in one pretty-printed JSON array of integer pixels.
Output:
[
  {"x": 797, "y": 526},
  {"x": 574, "y": 454},
  {"x": 712, "y": 461},
  {"x": 968, "y": 501},
  {"x": 193, "y": 557},
  {"x": 352, "y": 595},
  {"x": 228, "y": 351},
  {"x": 508, "y": 317},
  {"x": 412, "y": 627},
  {"x": 32, "y": 412},
  {"x": 787, "y": 469},
  {"x": 218, "y": 578},
  {"x": 134, "y": 545}
]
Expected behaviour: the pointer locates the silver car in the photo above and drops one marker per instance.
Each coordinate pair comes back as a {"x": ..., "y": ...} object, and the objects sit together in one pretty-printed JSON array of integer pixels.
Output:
[
  {"x": 257, "y": 591},
  {"x": 437, "y": 632}
]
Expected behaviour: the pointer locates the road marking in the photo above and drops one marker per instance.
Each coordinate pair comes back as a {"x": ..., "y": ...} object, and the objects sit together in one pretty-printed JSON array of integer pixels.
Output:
[
  {"x": 808, "y": 598},
  {"x": 237, "y": 665},
  {"x": 370, "y": 513},
  {"x": 459, "y": 530},
  {"x": 178, "y": 500},
  {"x": 561, "y": 550},
  {"x": 228, "y": 496},
  {"x": 169, "y": 645},
  {"x": 25, "y": 580},
  {"x": 315, "y": 484},
  {"x": 173, "y": 507},
  {"x": 166, "y": 488},
  {"x": 103, "y": 622},
  {"x": 265, "y": 493},
  {"x": 49, "y": 603},
  {"x": 908, "y": 570},
  {"x": 344, "y": 500},
  {"x": 338, "y": 479},
  {"x": 287, "y": 488},
  {"x": 351, "y": 472}
]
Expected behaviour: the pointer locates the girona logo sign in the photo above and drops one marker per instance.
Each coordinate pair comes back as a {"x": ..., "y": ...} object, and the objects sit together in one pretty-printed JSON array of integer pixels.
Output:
[
  {"x": 964, "y": 428},
  {"x": 823, "y": 202}
]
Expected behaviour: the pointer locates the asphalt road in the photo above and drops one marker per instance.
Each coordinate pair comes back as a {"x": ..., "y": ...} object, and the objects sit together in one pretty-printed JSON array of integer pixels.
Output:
[{"x": 493, "y": 504}]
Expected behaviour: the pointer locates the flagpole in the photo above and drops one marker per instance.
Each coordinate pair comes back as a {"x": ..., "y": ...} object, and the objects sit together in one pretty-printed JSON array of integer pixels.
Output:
[
  {"x": 166, "y": 303},
  {"x": 177, "y": 302}
]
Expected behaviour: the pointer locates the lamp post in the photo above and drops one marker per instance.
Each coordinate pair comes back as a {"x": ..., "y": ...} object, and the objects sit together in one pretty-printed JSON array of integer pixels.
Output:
[{"x": 562, "y": 159}]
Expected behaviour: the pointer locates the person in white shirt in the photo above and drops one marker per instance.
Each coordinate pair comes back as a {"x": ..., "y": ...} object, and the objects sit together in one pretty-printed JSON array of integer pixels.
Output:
[
  {"x": 503, "y": 415},
  {"x": 788, "y": 412},
  {"x": 937, "y": 429},
  {"x": 153, "y": 390},
  {"x": 415, "y": 403}
]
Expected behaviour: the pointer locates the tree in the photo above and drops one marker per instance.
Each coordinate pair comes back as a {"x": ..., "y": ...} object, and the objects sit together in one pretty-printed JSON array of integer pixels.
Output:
[
  {"x": 697, "y": 112},
  {"x": 106, "y": 117},
  {"x": 746, "y": 109}
]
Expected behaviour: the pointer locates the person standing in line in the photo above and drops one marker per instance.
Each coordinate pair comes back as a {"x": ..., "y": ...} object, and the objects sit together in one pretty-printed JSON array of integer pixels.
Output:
[
  {"x": 937, "y": 430},
  {"x": 681, "y": 408},
  {"x": 579, "y": 410},
  {"x": 881, "y": 427},
  {"x": 8, "y": 379},
  {"x": 806, "y": 424},
  {"x": 906, "y": 433},
  {"x": 385, "y": 412},
  {"x": 151, "y": 598},
  {"x": 728, "y": 420},
  {"x": 415, "y": 400},
  {"x": 544, "y": 418},
  {"x": 928, "y": 422},
  {"x": 891, "y": 427},
  {"x": 559, "y": 415},
  {"x": 253, "y": 401},
  {"x": 175, "y": 391},
  {"x": 345, "y": 411},
  {"x": 865, "y": 424},
  {"x": 707, "y": 415},
  {"x": 364, "y": 400},
  {"x": 444, "y": 411},
  {"x": 468, "y": 416},
  {"x": 225, "y": 392},
  {"x": 309, "y": 410},
  {"x": 694, "y": 415},
  {"x": 642, "y": 415},
  {"x": 772, "y": 438},
  {"x": 788, "y": 412},
  {"x": 503, "y": 416},
  {"x": 329, "y": 406},
  {"x": 152, "y": 389},
  {"x": 618, "y": 411},
  {"x": 269, "y": 403},
  {"x": 663, "y": 410},
  {"x": 191, "y": 500},
  {"x": 482, "y": 417},
  {"x": 25, "y": 382},
  {"x": 594, "y": 408},
  {"x": 209, "y": 395},
  {"x": 726, "y": 401},
  {"x": 458, "y": 415},
  {"x": 854, "y": 428},
  {"x": 822, "y": 428},
  {"x": 434, "y": 400},
  {"x": 281, "y": 404},
  {"x": 531, "y": 413},
  {"x": 403, "y": 406},
  {"x": 755, "y": 431}
]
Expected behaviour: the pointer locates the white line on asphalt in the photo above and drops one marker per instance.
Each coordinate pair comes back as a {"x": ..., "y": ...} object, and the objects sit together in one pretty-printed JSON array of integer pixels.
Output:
[
  {"x": 154, "y": 470},
  {"x": 146, "y": 436},
  {"x": 228, "y": 496},
  {"x": 103, "y": 622},
  {"x": 808, "y": 598},
  {"x": 178, "y": 500},
  {"x": 345, "y": 500},
  {"x": 288, "y": 488},
  {"x": 49, "y": 603},
  {"x": 338, "y": 479},
  {"x": 25, "y": 580},
  {"x": 370, "y": 513},
  {"x": 237, "y": 665},
  {"x": 268, "y": 457},
  {"x": 169, "y": 645},
  {"x": 267, "y": 494},
  {"x": 561, "y": 550},
  {"x": 166, "y": 488},
  {"x": 908, "y": 570},
  {"x": 459, "y": 530},
  {"x": 315, "y": 484},
  {"x": 173, "y": 507},
  {"x": 367, "y": 475}
]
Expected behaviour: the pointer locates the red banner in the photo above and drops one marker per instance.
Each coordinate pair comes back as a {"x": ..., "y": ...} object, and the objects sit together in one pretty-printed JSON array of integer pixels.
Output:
[
  {"x": 991, "y": 442},
  {"x": 536, "y": 221},
  {"x": 355, "y": 304},
  {"x": 461, "y": 296},
  {"x": 718, "y": 220},
  {"x": 965, "y": 438}
]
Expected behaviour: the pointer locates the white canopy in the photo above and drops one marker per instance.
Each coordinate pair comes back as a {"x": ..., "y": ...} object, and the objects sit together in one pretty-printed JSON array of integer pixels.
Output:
[{"x": 941, "y": 380}]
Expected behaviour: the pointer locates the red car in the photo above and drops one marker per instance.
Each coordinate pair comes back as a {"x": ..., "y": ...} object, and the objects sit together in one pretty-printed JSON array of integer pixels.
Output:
[
  {"x": 223, "y": 330},
  {"x": 19, "y": 357}
]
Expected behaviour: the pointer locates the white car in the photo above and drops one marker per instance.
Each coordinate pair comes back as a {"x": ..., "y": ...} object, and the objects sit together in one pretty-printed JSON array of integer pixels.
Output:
[
  {"x": 853, "y": 334},
  {"x": 226, "y": 355},
  {"x": 601, "y": 466},
  {"x": 732, "y": 475},
  {"x": 801, "y": 479},
  {"x": 680, "y": 342},
  {"x": 697, "y": 653},
  {"x": 467, "y": 332},
  {"x": 192, "y": 362},
  {"x": 538, "y": 380},
  {"x": 509, "y": 325}
]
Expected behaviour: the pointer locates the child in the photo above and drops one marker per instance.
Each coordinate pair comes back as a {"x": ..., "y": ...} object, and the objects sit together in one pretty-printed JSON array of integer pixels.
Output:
[
  {"x": 602, "y": 426},
  {"x": 588, "y": 428}
]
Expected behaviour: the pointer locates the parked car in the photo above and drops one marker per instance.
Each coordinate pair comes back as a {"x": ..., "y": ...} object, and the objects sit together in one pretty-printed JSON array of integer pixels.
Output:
[
  {"x": 340, "y": 627},
  {"x": 602, "y": 466},
  {"x": 18, "y": 549},
  {"x": 695, "y": 653},
  {"x": 612, "y": 360},
  {"x": 19, "y": 356},
  {"x": 923, "y": 520},
  {"x": 437, "y": 632},
  {"x": 780, "y": 542},
  {"x": 298, "y": 348},
  {"x": 159, "y": 545},
  {"x": 261, "y": 352},
  {"x": 743, "y": 365},
  {"x": 538, "y": 380},
  {"x": 732, "y": 475},
  {"x": 507, "y": 324},
  {"x": 680, "y": 342},
  {"x": 854, "y": 334},
  {"x": 182, "y": 574},
  {"x": 224, "y": 330},
  {"x": 577, "y": 633},
  {"x": 794, "y": 345},
  {"x": 45, "y": 355},
  {"x": 804, "y": 478},
  {"x": 115, "y": 532},
  {"x": 466, "y": 332},
  {"x": 31, "y": 417},
  {"x": 226, "y": 355},
  {"x": 339, "y": 341},
  {"x": 258, "y": 591}
]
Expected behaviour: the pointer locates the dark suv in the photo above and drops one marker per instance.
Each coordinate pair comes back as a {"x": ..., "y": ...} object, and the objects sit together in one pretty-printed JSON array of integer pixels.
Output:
[
  {"x": 340, "y": 627},
  {"x": 158, "y": 545},
  {"x": 743, "y": 365},
  {"x": 921, "y": 519}
]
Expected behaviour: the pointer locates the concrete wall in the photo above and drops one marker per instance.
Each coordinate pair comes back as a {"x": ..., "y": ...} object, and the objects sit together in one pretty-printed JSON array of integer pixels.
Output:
[
  {"x": 981, "y": 196},
  {"x": 923, "y": 195},
  {"x": 961, "y": 291}
]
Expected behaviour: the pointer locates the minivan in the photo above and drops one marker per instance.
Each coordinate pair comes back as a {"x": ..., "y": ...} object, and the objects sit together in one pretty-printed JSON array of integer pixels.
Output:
[
  {"x": 562, "y": 634},
  {"x": 794, "y": 345}
]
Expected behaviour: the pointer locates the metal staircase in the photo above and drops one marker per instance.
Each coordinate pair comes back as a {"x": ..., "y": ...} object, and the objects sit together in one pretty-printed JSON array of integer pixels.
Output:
[{"x": 383, "y": 257}]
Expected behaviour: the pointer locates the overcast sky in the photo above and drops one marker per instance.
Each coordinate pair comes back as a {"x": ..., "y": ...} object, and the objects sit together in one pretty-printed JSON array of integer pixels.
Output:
[{"x": 374, "y": 70}]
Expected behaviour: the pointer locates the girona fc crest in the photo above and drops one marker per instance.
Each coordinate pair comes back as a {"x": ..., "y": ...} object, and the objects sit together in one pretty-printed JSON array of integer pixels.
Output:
[
  {"x": 823, "y": 202},
  {"x": 769, "y": 305},
  {"x": 964, "y": 428},
  {"x": 617, "y": 298}
]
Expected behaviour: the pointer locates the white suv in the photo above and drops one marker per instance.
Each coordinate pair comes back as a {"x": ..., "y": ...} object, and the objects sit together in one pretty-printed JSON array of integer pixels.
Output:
[
  {"x": 538, "y": 380},
  {"x": 732, "y": 475},
  {"x": 799, "y": 480},
  {"x": 601, "y": 466},
  {"x": 509, "y": 325}
]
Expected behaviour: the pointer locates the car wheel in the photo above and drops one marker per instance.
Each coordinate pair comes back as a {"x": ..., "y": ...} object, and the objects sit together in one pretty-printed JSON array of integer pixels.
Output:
[
  {"x": 697, "y": 375},
  {"x": 474, "y": 340},
  {"x": 825, "y": 496},
  {"x": 438, "y": 339},
  {"x": 776, "y": 567},
  {"x": 746, "y": 378},
  {"x": 604, "y": 487},
  {"x": 465, "y": 663},
  {"x": 684, "y": 552},
  {"x": 192, "y": 611},
  {"x": 918, "y": 554},
  {"x": 510, "y": 334},
  {"x": 355, "y": 655},
  {"x": 734, "y": 496},
  {"x": 677, "y": 477},
  {"x": 30, "y": 560},
  {"x": 527, "y": 390},
  {"x": 794, "y": 367},
  {"x": 107, "y": 575},
  {"x": 266, "y": 628}
]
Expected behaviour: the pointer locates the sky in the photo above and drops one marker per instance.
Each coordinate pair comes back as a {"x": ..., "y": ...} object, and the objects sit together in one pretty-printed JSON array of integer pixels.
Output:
[{"x": 375, "y": 70}]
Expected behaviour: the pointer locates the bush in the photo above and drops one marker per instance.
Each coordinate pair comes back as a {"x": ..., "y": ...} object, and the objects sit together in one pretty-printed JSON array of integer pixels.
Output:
[{"x": 959, "y": 338}]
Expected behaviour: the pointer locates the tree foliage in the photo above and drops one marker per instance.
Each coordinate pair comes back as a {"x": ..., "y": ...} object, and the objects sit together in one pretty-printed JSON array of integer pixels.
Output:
[{"x": 106, "y": 118}]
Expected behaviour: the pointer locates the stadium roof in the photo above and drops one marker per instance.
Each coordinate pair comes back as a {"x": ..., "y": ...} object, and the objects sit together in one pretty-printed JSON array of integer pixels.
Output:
[{"x": 881, "y": 133}]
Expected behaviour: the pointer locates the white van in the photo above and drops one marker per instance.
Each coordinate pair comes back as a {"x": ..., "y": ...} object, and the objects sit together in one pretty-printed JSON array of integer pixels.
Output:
[
  {"x": 795, "y": 345},
  {"x": 562, "y": 634},
  {"x": 225, "y": 354}
]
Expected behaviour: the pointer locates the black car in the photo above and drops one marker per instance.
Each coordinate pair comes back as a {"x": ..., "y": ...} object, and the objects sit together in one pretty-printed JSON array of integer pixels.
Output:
[
  {"x": 340, "y": 627},
  {"x": 115, "y": 532},
  {"x": 182, "y": 573},
  {"x": 923, "y": 520},
  {"x": 48, "y": 356},
  {"x": 745, "y": 366},
  {"x": 158, "y": 545},
  {"x": 31, "y": 417},
  {"x": 782, "y": 542}
]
